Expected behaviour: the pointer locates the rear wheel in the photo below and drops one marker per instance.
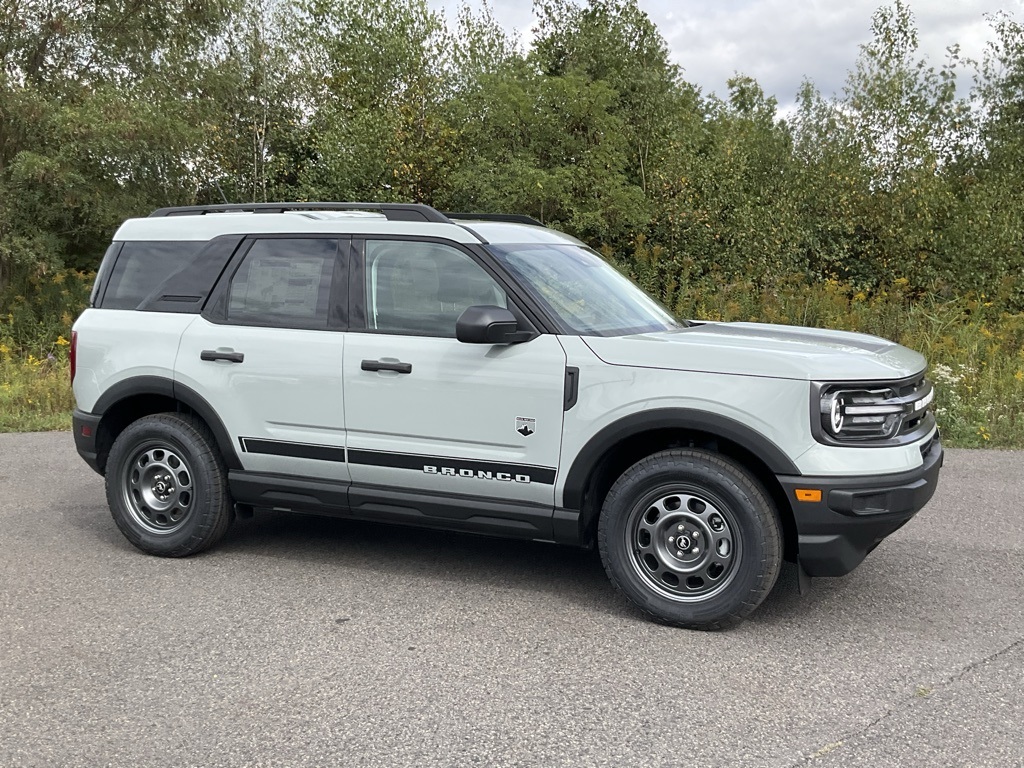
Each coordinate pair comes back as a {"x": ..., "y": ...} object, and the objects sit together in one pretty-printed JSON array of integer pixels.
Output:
[
  {"x": 691, "y": 538},
  {"x": 167, "y": 486}
]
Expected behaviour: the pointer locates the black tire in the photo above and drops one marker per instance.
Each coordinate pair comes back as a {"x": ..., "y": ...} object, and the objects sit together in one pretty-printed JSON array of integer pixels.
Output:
[
  {"x": 655, "y": 522},
  {"x": 167, "y": 486}
]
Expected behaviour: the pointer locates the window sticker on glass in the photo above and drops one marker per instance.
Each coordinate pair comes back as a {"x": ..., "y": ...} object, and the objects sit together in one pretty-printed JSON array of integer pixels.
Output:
[{"x": 286, "y": 286}]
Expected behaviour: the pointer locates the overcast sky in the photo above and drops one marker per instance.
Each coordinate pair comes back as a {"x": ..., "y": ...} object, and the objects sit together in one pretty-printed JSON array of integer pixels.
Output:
[{"x": 780, "y": 42}]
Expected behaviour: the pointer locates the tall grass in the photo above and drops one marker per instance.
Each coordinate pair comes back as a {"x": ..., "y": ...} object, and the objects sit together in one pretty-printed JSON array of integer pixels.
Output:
[
  {"x": 35, "y": 332},
  {"x": 35, "y": 394},
  {"x": 975, "y": 350}
]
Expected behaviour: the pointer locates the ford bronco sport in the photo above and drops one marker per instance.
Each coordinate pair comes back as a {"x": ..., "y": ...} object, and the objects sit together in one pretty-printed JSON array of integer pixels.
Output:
[{"x": 485, "y": 374}]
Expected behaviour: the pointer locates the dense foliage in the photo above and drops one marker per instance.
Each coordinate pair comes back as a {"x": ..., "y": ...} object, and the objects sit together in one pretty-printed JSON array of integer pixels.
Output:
[{"x": 897, "y": 186}]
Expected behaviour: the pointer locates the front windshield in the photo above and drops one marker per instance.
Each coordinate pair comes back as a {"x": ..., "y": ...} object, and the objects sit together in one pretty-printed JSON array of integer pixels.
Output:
[{"x": 586, "y": 293}]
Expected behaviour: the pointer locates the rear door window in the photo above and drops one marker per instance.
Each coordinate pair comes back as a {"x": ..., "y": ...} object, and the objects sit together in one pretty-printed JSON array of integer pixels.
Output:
[{"x": 285, "y": 282}]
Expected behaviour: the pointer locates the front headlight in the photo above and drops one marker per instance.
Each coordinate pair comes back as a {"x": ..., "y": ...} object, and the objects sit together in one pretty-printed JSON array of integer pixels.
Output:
[{"x": 850, "y": 413}]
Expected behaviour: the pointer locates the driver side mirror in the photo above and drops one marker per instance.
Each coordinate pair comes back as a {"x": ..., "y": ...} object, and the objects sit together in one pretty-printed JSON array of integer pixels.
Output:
[{"x": 489, "y": 325}]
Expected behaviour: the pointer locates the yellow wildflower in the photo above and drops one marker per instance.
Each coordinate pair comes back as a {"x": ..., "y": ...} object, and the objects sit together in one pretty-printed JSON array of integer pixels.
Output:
[{"x": 62, "y": 342}]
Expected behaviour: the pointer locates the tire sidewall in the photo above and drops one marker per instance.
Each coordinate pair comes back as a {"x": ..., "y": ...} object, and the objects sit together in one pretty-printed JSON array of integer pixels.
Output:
[
  {"x": 721, "y": 482},
  {"x": 207, "y": 497}
]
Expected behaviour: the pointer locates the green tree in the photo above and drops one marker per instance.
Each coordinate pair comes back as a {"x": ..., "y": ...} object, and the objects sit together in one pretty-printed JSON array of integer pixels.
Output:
[
  {"x": 725, "y": 194},
  {"x": 615, "y": 42},
  {"x": 378, "y": 73},
  {"x": 256, "y": 139},
  {"x": 100, "y": 117},
  {"x": 986, "y": 238}
]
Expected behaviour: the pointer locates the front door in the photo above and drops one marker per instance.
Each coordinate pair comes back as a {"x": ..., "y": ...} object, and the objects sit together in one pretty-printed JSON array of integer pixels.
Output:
[{"x": 431, "y": 415}]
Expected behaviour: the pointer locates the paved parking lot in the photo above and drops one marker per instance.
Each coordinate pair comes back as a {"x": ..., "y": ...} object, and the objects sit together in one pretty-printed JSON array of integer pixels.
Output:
[{"x": 306, "y": 641}]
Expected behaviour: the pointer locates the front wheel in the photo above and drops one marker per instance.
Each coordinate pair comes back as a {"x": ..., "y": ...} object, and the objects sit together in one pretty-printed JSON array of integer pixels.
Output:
[
  {"x": 691, "y": 538},
  {"x": 167, "y": 486}
]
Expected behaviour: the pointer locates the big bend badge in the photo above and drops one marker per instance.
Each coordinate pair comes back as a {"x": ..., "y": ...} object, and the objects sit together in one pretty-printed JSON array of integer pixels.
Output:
[{"x": 525, "y": 426}]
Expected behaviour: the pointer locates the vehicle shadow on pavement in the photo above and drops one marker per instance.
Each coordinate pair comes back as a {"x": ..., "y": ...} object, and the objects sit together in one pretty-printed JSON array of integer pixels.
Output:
[
  {"x": 569, "y": 573},
  {"x": 424, "y": 554}
]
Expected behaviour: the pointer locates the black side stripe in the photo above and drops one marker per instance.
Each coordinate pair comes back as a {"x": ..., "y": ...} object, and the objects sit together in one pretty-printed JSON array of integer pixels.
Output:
[
  {"x": 294, "y": 450},
  {"x": 485, "y": 470},
  {"x": 543, "y": 475}
]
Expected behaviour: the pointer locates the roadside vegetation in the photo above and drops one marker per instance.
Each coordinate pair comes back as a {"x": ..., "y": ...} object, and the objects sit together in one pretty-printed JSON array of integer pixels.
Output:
[{"x": 893, "y": 208}]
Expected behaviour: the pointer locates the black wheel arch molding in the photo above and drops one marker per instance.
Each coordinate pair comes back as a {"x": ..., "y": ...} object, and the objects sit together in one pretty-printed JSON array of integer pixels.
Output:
[
  {"x": 95, "y": 448},
  {"x": 659, "y": 419},
  {"x": 591, "y": 472}
]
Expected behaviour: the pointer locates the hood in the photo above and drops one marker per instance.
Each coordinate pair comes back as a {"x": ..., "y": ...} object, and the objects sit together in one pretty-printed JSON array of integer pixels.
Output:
[{"x": 759, "y": 349}]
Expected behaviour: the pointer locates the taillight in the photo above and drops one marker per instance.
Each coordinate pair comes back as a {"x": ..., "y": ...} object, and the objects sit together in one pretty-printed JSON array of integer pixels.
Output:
[{"x": 73, "y": 354}]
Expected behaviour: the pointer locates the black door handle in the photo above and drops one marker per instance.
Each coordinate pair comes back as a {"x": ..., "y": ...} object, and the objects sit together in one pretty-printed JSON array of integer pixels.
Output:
[
  {"x": 380, "y": 365},
  {"x": 212, "y": 354}
]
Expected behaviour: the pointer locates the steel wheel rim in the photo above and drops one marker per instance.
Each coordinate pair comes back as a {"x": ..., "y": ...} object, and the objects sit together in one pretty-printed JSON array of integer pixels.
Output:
[
  {"x": 157, "y": 486},
  {"x": 683, "y": 543}
]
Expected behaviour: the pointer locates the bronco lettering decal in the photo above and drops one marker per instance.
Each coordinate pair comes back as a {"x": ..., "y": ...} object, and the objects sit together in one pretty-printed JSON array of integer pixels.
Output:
[{"x": 444, "y": 466}]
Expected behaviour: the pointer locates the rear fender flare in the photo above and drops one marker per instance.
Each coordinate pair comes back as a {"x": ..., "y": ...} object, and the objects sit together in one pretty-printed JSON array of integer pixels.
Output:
[{"x": 139, "y": 386}]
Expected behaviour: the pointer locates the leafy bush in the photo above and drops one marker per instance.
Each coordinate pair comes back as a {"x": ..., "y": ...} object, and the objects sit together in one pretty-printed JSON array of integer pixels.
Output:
[{"x": 37, "y": 312}]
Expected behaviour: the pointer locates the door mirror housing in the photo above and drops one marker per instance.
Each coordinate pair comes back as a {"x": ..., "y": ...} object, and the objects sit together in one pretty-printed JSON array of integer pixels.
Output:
[{"x": 489, "y": 325}]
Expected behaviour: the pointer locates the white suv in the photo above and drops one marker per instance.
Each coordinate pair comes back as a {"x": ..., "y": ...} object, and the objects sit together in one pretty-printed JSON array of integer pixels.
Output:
[{"x": 484, "y": 374}]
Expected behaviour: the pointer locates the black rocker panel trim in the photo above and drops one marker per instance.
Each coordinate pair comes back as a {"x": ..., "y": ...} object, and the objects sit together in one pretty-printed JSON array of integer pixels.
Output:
[
  {"x": 471, "y": 514},
  {"x": 669, "y": 418},
  {"x": 293, "y": 450},
  {"x": 300, "y": 494},
  {"x": 461, "y": 467},
  {"x": 158, "y": 385},
  {"x": 424, "y": 509}
]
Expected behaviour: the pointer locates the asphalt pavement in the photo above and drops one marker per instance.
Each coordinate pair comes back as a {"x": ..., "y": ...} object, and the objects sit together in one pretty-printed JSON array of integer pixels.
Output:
[{"x": 305, "y": 641}]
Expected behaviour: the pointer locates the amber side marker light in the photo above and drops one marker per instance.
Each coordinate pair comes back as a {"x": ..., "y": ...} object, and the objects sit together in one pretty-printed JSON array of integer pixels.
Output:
[{"x": 808, "y": 494}]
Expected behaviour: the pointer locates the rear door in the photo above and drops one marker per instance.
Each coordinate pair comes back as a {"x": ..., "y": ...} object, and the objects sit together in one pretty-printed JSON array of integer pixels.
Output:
[
  {"x": 431, "y": 415},
  {"x": 267, "y": 354}
]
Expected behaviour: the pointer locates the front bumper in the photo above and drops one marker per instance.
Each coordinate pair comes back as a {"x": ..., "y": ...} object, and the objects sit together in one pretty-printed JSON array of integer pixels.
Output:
[
  {"x": 85, "y": 427},
  {"x": 855, "y": 513}
]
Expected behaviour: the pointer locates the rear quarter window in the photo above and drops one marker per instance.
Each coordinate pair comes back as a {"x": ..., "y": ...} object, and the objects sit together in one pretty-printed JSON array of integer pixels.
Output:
[{"x": 142, "y": 266}]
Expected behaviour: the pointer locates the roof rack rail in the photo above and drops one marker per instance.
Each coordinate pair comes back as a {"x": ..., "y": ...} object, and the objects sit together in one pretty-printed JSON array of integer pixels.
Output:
[
  {"x": 510, "y": 218},
  {"x": 392, "y": 211}
]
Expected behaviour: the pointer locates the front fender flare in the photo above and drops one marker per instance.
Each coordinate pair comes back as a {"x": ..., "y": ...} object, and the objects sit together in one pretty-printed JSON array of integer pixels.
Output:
[{"x": 712, "y": 424}]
